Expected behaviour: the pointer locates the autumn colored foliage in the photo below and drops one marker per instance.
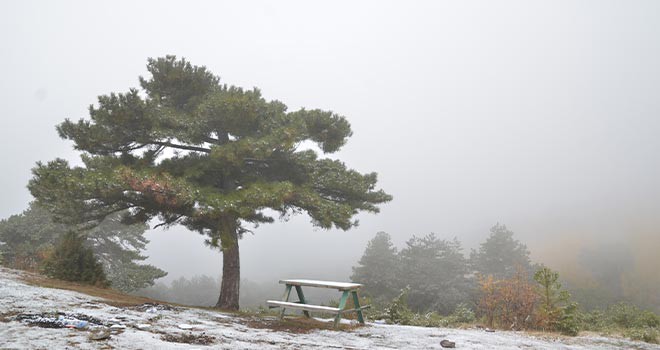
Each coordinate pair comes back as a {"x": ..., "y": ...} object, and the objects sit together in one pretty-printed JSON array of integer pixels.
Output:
[{"x": 508, "y": 303}]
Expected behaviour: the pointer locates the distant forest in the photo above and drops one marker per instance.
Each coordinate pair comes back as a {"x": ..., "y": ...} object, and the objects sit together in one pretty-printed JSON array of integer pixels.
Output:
[{"x": 441, "y": 276}]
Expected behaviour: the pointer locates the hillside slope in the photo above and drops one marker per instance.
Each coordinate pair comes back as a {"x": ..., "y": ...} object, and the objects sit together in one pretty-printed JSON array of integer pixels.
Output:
[{"x": 27, "y": 309}]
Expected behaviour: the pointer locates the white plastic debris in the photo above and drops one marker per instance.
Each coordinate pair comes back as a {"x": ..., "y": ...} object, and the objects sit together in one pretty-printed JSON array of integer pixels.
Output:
[{"x": 99, "y": 334}]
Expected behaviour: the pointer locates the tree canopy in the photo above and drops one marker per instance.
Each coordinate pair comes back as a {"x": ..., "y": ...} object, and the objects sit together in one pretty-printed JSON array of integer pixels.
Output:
[
  {"x": 377, "y": 269},
  {"x": 436, "y": 270},
  {"x": 501, "y": 255},
  {"x": 432, "y": 271},
  {"x": 188, "y": 150}
]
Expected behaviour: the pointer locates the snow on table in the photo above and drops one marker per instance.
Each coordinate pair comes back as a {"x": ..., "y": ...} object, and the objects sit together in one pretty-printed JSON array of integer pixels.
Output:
[{"x": 322, "y": 284}]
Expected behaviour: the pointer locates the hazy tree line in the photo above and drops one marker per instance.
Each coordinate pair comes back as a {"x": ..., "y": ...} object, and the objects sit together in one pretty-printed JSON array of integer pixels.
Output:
[
  {"x": 437, "y": 271},
  {"x": 432, "y": 265},
  {"x": 608, "y": 273},
  {"x": 107, "y": 254},
  {"x": 431, "y": 282}
]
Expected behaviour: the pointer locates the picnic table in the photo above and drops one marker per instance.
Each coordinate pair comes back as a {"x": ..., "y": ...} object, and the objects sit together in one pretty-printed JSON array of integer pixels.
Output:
[{"x": 344, "y": 287}]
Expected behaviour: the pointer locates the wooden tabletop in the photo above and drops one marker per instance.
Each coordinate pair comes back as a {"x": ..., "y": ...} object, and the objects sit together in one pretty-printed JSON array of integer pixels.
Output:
[{"x": 322, "y": 284}]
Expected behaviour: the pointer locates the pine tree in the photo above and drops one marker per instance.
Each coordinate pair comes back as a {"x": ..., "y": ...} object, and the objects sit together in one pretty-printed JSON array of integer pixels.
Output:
[
  {"x": 118, "y": 248},
  {"x": 556, "y": 311},
  {"x": 377, "y": 268},
  {"x": 72, "y": 261},
  {"x": 190, "y": 151},
  {"x": 435, "y": 270},
  {"x": 501, "y": 255}
]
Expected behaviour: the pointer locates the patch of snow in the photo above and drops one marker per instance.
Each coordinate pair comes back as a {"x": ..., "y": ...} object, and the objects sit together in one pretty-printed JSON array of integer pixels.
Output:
[{"x": 148, "y": 326}]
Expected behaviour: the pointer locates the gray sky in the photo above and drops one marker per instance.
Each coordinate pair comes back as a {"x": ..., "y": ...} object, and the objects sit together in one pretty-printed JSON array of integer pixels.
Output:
[{"x": 539, "y": 115}]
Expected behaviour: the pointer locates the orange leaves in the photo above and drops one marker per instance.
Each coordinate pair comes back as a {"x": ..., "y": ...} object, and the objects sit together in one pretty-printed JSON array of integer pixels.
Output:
[
  {"x": 509, "y": 303},
  {"x": 160, "y": 190},
  {"x": 489, "y": 301}
]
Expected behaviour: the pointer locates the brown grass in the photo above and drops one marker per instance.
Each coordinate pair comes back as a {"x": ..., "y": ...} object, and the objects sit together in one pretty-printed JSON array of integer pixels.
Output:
[
  {"x": 111, "y": 296},
  {"x": 7, "y": 316},
  {"x": 189, "y": 338}
]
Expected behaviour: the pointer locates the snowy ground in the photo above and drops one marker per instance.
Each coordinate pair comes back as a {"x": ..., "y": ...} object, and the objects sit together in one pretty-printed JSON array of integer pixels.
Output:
[{"x": 159, "y": 328}]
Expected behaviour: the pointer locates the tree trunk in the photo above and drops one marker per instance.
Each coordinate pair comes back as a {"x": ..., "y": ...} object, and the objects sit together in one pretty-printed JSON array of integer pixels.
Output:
[
  {"x": 231, "y": 276},
  {"x": 231, "y": 262}
]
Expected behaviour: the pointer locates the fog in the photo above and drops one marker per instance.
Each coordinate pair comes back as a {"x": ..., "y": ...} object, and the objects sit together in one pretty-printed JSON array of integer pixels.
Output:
[{"x": 540, "y": 115}]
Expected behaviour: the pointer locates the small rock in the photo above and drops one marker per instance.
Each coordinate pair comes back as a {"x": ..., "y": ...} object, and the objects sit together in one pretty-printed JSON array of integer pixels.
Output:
[
  {"x": 99, "y": 334},
  {"x": 186, "y": 326},
  {"x": 447, "y": 344},
  {"x": 490, "y": 330}
]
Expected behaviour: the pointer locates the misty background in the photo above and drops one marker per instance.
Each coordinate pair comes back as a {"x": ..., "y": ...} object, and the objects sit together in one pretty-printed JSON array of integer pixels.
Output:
[{"x": 543, "y": 116}]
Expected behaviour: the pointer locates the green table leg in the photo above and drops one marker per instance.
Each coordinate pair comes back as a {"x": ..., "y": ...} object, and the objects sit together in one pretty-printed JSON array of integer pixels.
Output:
[
  {"x": 356, "y": 301},
  {"x": 301, "y": 297},
  {"x": 287, "y": 292},
  {"x": 342, "y": 305}
]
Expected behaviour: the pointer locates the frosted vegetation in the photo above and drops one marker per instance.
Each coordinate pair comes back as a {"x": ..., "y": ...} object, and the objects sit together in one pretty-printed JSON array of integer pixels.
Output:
[{"x": 158, "y": 326}]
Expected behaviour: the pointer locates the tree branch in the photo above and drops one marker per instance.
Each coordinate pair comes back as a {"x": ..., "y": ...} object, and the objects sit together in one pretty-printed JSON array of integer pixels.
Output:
[
  {"x": 167, "y": 222},
  {"x": 186, "y": 147},
  {"x": 212, "y": 140}
]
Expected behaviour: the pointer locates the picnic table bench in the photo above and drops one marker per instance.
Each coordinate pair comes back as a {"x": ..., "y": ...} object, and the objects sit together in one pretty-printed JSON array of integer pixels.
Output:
[{"x": 301, "y": 304}]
